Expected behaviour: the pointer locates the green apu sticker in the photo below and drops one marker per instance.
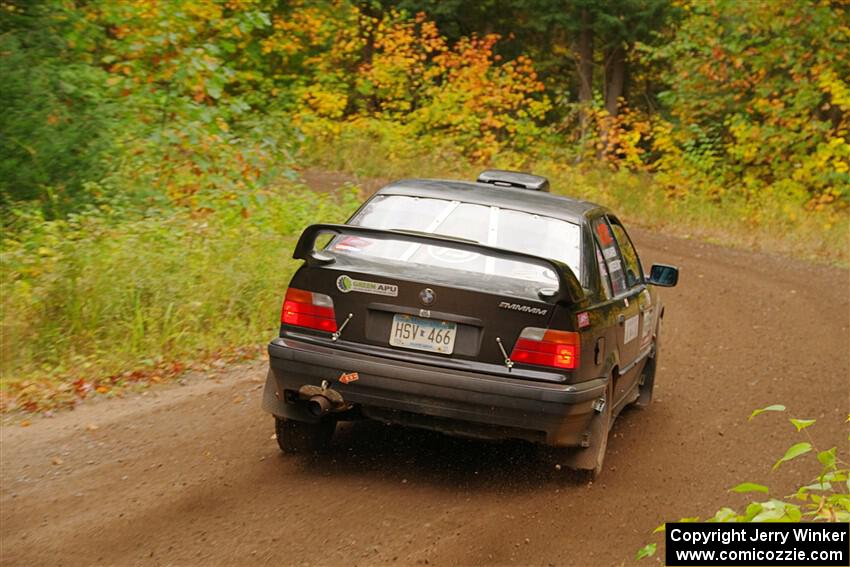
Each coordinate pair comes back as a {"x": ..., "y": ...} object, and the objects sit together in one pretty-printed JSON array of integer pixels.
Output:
[{"x": 346, "y": 284}]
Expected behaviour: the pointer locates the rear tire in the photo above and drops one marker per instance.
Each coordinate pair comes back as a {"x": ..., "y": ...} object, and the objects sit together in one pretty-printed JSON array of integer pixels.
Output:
[{"x": 299, "y": 437}]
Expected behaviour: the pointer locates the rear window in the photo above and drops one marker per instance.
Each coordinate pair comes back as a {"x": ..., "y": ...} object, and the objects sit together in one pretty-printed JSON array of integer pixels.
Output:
[{"x": 502, "y": 228}]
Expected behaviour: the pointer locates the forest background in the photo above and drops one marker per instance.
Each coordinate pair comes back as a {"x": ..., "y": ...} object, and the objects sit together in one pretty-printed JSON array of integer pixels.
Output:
[{"x": 152, "y": 153}]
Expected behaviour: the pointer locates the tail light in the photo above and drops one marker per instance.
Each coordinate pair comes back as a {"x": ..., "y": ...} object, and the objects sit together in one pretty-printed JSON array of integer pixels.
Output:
[
  {"x": 545, "y": 347},
  {"x": 307, "y": 309}
]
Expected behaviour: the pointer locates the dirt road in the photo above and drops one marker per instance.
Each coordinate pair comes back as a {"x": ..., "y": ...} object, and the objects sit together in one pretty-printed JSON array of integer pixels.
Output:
[{"x": 188, "y": 475}]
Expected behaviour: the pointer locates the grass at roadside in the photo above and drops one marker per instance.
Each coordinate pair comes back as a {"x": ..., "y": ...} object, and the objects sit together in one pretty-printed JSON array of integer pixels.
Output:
[{"x": 96, "y": 300}]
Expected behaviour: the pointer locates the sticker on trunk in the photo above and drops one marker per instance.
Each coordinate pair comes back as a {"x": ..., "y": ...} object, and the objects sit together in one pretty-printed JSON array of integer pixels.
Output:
[{"x": 346, "y": 284}]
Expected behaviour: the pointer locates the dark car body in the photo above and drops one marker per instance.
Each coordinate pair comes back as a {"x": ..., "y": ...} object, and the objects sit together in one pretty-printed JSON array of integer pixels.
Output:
[{"x": 432, "y": 329}]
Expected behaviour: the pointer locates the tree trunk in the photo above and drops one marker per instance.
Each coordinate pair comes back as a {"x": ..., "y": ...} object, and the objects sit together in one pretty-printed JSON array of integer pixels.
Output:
[
  {"x": 585, "y": 58},
  {"x": 615, "y": 79},
  {"x": 584, "y": 62},
  {"x": 356, "y": 101}
]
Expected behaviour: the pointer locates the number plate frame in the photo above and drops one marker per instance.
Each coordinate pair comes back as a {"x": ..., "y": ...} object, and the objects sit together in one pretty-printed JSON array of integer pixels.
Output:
[{"x": 416, "y": 333}]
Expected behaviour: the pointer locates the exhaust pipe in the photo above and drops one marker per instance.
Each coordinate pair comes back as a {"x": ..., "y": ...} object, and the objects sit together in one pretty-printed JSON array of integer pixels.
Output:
[
  {"x": 319, "y": 405},
  {"x": 321, "y": 400}
]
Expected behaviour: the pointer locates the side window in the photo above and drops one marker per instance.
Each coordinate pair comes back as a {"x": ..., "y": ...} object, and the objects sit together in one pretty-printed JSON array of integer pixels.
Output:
[
  {"x": 634, "y": 275},
  {"x": 604, "y": 279},
  {"x": 611, "y": 255}
]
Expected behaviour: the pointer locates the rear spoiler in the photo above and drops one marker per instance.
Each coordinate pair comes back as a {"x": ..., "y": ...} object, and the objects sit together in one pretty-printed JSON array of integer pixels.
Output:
[{"x": 569, "y": 287}]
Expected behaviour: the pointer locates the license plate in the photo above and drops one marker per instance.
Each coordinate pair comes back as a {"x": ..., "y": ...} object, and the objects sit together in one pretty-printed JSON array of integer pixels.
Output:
[{"x": 423, "y": 334}]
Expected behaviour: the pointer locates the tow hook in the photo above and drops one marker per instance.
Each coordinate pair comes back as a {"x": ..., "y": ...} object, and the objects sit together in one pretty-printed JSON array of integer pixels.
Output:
[{"x": 322, "y": 399}]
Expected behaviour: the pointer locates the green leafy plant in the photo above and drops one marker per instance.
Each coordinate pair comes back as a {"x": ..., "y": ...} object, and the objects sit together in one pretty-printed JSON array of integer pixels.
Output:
[{"x": 822, "y": 498}]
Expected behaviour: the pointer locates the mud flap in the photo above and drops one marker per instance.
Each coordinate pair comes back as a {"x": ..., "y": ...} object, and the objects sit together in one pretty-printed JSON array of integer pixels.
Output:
[
  {"x": 272, "y": 398},
  {"x": 647, "y": 384},
  {"x": 647, "y": 378},
  {"x": 591, "y": 457}
]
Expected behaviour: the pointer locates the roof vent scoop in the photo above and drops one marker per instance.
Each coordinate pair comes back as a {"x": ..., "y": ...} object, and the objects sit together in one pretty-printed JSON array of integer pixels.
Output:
[{"x": 518, "y": 179}]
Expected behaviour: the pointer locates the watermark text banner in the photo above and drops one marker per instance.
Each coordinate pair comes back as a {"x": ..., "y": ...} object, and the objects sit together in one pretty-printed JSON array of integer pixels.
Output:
[{"x": 701, "y": 543}]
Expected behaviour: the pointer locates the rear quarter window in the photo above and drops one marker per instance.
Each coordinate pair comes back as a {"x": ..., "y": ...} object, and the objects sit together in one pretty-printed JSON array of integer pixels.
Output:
[{"x": 611, "y": 255}]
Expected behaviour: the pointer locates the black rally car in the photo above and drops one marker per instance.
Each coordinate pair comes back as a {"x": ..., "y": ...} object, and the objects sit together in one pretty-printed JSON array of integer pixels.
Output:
[{"x": 490, "y": 309}]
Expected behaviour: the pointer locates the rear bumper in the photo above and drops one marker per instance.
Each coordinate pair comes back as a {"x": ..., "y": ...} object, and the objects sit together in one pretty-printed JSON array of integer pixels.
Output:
[{"x": 449, "y": 400}]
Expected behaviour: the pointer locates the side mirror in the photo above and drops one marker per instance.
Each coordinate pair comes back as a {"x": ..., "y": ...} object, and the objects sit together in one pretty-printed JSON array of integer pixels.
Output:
[{"x": 663, "y": 275}]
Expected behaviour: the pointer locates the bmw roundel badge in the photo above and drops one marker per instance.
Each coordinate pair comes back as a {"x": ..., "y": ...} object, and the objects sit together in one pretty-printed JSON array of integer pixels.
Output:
[{"x": 427, "y": 296}]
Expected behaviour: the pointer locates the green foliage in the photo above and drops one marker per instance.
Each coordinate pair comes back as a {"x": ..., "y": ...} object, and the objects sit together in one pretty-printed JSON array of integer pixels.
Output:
[
  {"x": 143, "y": 143},
  {"x": 750, "y": 487},
  {"x": 774, "y": 407},
  {"x": 172, "y": 99},
  {"x": 56, "y": 121},
  {"x": 188, "y": 73},
  {"x": 646, "y": 551},
  {"x": 793, "y": 452},
  {"x": 758, "y": 96},
  {"x": 801, "y": 424}
]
